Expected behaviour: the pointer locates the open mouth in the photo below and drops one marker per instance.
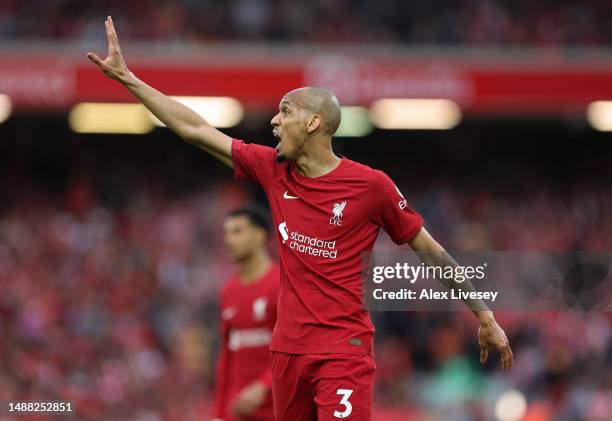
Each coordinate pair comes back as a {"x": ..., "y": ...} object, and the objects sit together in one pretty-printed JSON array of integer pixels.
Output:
[{"x": 278, "y": 138}]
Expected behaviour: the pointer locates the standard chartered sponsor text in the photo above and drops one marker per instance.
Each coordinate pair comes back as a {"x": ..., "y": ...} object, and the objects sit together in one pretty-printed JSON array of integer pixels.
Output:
[
  {"x": 312, "y": 245},
  {"x": 249, "y": 338}
]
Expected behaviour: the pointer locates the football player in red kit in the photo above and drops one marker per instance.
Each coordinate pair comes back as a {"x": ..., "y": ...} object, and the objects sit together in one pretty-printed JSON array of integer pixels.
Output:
[
  {"x": 248, "y": 314},
  {"x": 327, "y": 211}
]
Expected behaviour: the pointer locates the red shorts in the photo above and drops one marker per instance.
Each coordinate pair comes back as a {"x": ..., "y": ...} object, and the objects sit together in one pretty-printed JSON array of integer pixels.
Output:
[{"x": 322, "y": 387}]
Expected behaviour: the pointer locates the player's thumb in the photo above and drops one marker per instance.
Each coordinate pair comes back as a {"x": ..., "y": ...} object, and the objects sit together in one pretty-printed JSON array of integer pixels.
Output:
[
  {"x": 484, "y": 354},
  {"x": 94, "y": 58}
]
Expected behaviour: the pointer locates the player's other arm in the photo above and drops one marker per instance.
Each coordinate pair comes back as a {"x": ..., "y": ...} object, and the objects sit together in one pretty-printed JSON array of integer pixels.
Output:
[
  {"x": 489, "y": 332},
  {"x": 183, "y": 121},
  {"x": 251, "y": 398}
]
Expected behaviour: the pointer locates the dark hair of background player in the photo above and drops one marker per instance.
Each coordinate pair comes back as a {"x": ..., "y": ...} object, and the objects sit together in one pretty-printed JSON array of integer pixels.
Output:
[{"x": 256, "y": 214}]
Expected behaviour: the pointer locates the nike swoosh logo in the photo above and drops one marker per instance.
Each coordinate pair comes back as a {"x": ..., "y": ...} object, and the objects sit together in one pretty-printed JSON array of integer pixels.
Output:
[{"x": 286, "y": 196}]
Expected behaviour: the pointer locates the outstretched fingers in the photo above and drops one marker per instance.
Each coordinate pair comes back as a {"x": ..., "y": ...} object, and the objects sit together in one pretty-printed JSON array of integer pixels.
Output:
[
  {"x": 95, "y": 59},
  {"x": 484, "y": 353},
  {"x": 507, "y": 356},
  {"x": 113, "y": 32},
  {"x": 109, "y": 34},
  {"x": 113, "y": 65}
]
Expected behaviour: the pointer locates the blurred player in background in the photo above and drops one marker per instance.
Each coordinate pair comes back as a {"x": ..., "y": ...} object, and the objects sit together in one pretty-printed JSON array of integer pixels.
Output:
[
  {"x": 328, "y": 211},
  {"x": 248, "y": 314}
]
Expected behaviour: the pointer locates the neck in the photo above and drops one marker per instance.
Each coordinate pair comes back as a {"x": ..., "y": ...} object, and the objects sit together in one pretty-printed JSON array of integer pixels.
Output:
[
  {"x": 317, "y": 160},
  {"x": 254, "y": 267}
]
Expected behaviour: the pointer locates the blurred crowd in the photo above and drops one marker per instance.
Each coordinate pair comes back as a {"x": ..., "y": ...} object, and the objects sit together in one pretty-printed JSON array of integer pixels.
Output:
[
  {"x": 113, "y": 306},
  {"x": 115, "y": 311},
  {"x": 482, "y": 23}
]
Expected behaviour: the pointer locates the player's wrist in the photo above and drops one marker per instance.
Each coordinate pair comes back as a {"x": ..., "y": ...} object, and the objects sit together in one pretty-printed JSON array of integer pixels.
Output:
[
  {"x": 485, "y": 318},
  {"x": 127, "y": 78}
]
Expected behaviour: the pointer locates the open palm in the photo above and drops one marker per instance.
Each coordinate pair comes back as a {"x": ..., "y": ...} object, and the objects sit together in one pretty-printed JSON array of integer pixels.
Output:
[{"x": 113, "y": 65}]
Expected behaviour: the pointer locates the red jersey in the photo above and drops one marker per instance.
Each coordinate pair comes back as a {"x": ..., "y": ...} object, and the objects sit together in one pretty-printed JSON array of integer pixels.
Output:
[
  {"x": 323, "y": 225},
  {"x": 248, "y": 315}
]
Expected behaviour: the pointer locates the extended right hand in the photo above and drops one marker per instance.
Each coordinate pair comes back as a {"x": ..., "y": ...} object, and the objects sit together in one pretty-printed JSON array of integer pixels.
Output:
[{"x": 113, "y": 65}]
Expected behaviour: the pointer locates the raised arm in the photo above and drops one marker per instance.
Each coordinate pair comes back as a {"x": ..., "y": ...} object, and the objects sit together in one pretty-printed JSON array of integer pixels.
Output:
[
  {"x": 489, "y": 332},
  {"x": 183, "y": 121}
]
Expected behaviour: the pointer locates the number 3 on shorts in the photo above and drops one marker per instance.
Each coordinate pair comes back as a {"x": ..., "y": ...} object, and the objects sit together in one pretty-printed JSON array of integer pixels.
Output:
[{"x": 346, "y": 393}]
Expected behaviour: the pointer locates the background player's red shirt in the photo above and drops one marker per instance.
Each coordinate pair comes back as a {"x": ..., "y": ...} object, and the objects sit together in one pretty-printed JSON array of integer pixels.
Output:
[
  {"x": 323, "y": 225},
  {"x": 248, "y": 315}
]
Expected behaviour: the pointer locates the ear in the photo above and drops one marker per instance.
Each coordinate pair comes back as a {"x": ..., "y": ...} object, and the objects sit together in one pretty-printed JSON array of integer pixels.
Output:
[{"x": 314, "y": 122}]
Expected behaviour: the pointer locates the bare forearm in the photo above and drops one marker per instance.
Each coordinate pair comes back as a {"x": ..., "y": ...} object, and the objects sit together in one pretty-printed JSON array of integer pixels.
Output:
[
  {"x": 433, "y": 254},
  {"x": 489, "y": 332},
  {"x": 440, "y": 258},
  {"x": 182, "y": 120},
  {"x": 179, "y": 118}
]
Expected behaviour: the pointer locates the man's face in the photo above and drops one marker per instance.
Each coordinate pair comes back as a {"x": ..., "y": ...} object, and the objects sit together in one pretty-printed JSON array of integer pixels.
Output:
[
  {"x": 290, "y": 128},
  {"x": 241, "y": 237}
]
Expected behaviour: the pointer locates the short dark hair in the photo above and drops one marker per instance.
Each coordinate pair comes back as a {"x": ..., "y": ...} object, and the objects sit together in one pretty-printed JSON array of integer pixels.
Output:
[{"x": 256, "y": 214}]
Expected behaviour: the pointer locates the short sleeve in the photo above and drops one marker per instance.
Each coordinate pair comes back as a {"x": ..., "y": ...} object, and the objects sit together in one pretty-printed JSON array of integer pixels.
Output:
[
  {"x": 391, "y": 210},
  {"x": 252, "y": 162}
]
